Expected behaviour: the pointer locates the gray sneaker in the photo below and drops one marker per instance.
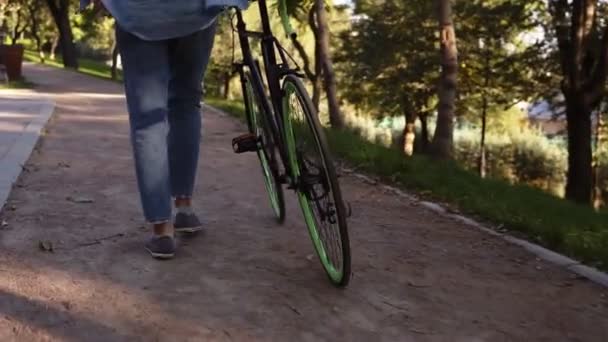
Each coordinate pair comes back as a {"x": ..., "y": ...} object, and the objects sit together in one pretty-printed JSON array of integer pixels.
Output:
[
  {"x": 161, "y": 247},
  {"x": 187, "y": 223}
]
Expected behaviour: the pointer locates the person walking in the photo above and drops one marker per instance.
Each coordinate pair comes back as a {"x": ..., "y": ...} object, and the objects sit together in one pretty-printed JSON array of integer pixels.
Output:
[{"x": 165, "y": 47}]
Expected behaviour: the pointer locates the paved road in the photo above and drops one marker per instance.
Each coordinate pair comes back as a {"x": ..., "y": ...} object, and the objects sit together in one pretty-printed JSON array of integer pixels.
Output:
[
  {"x": 418, "y": 276},
  {"x": 23, "y": 114}
]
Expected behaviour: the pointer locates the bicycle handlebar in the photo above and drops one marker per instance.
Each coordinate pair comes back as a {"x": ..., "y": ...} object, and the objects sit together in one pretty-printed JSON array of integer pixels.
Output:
[{"x": 285, "y": 19}]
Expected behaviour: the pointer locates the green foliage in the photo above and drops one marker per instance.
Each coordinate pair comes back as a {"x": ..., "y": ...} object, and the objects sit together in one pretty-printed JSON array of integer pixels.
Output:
[
  {"x": 20, "y": 84},
  {"x": 525, "y": 156},
  {"x": 97, "y": 38},
  {"x": 87, "y": 66},
  {"x": 496, "y": 63},
  {"x": 220, "y": 66},
  {"x": 388, "y": 60}
]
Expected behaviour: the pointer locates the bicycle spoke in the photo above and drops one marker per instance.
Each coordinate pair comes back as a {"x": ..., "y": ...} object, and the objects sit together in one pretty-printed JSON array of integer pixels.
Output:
[{"x": 316, "y": 185}]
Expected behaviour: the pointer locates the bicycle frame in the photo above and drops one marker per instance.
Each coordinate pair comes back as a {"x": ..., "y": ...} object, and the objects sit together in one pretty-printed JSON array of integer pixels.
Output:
[{"x": 274, "y": 74}]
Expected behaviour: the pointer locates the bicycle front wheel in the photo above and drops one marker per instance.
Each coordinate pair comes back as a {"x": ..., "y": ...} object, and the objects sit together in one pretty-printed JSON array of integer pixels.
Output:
[
  {"x": 317, "y": 185},
  {"x": 257, "y": 120}
]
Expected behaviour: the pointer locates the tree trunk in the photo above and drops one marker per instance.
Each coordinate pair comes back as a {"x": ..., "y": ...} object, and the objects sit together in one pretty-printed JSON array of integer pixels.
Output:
[
  {"x": 579, "y": 182},
  {"x": 409, "y": 134},
  {"x": 329, "y": 78},
  {"x": 443, "y": 141},
  {"x": 114, "y": 68},
  {"x": 424, "y": 133},
  {"x": 584, "y": 64},
  {"x": 312, "y": 76},
  {"x": 17, "y": 29},
  {"x": 482, "y": 167},
  {"x": 54, "y": 46},
  {"x": 226, "y": 90},
  {"x": 482, "y": 146},
  {"x": 60, "y": 13},
  {"x": 317, "y": 82},
  {"x": 34, "y": 30},
  {"x": 597, "y": 186}
]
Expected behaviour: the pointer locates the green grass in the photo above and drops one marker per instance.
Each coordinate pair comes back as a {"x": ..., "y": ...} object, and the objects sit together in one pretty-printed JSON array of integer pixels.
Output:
[
  {"x": 19, "y": 84},
  {"x": 234, "y": 108},
  {"x": 563, "y": 226},
  {"x": 86, "y": 66}
]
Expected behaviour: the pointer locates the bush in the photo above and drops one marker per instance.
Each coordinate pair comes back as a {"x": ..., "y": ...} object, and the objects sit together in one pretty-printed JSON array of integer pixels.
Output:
[
  {"x": 525, "y": 156},
  {"x": 514, "y": 152}
]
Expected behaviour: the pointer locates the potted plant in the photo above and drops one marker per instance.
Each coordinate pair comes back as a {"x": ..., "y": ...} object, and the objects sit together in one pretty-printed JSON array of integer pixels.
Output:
[{"x": 11, "y": 56}]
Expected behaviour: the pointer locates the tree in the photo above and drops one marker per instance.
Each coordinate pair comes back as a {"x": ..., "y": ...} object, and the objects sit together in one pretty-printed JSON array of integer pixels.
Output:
[
  {"x": 582, "y": 39},
  {"x": 60, "y": 12},
  {"x": 16, "y": 19},
  {"x": 323, "y": 76},
  {"x": 36, "y": 17},
  {"x": 496, "y": 64},
  {"x": 114, "y": 67},
  {"x": 303, "y": 12},
  {"x": 401, "y": 79},
  {"x": 336, "y": 117},
  {"x": 599, "y": 138},
  {"x": 443, "y": 140},
  {"x": 220, "y": 70}
]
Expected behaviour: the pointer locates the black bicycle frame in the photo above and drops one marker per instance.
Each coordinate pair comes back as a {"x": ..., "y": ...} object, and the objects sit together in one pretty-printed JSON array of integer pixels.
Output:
[{"x": 274, "y": 73}]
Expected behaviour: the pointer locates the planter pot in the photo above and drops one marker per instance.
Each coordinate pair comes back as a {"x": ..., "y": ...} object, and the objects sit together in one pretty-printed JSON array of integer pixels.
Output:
[{"x": 12, "y": 58}]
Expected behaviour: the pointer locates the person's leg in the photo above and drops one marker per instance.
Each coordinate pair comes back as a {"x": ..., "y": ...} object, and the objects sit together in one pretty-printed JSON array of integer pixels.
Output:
[
  {"x": 146, "y": 74},
  {"x": 188, "y": 59}
]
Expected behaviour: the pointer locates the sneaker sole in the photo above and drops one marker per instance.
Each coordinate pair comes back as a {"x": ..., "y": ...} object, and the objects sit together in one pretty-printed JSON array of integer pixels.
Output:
[
  {"x": 163, "y": 256},
  {"x": 189, "y": 229}
]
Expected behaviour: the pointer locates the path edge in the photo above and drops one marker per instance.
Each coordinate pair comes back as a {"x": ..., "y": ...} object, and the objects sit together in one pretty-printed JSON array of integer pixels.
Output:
[
  {"x": 23, "y": 148},
  {"x": 557, "y": 259}
]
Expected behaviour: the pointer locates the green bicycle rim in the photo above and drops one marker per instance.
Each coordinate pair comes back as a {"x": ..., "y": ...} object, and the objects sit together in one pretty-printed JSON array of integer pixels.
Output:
[
  {"x": 266, "y": 170},
  {"x": 335, "y": 275}
]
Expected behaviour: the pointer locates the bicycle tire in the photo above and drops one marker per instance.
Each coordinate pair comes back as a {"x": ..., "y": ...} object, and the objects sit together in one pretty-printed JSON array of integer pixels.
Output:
[
  {"x": 294, "y": 93},
  {"x": 257, "y": 122}
]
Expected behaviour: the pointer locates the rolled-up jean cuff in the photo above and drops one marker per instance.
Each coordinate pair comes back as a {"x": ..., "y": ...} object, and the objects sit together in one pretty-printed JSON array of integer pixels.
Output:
[
  {"x": 182, "y": 196},
  {"x": 158, "y": 221}
]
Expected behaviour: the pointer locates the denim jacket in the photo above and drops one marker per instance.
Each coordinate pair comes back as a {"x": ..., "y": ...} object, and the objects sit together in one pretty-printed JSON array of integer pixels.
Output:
[{"x": 162, "y": 19}]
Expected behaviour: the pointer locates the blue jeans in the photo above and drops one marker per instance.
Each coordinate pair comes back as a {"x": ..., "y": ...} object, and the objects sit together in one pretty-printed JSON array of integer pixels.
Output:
[{"x": 163, "y": 85}]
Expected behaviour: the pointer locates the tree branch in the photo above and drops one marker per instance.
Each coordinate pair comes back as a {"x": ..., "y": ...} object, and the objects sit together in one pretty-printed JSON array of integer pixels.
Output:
[
  {"x": 558, "y": 9},
  {"x": 583, "y": 17},
  {"x": 54, "y": 8},
  {"x": 305, "y": 58},
  {"x": 596, "y": 87}
]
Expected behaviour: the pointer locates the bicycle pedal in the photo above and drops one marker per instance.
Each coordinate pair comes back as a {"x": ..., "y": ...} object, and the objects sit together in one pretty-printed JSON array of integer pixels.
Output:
[{"x": 247, "y": 142}]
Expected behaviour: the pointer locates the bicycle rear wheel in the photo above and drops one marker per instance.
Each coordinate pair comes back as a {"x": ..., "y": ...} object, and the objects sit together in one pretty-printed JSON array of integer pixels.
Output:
[
  {"x": 257, "y": 120},
  {"x": 318, "y": 189}
]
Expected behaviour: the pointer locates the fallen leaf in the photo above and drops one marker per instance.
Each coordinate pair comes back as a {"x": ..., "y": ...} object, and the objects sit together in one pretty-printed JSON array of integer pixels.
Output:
[
  {"x": 417, "y": 285},
  {"x": 80, "y": 199},
  {"x": 67, "y": 305},
  {"x": 45, "y": 245}
]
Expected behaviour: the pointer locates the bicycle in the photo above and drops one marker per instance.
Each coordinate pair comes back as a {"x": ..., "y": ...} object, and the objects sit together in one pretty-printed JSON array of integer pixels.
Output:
[{"x": 285, "y": 132}]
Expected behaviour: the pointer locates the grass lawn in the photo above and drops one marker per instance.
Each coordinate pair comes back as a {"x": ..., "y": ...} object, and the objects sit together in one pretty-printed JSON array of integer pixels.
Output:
[
  {"x": 86, "y": 66},
  {"x": 20, "y": 84},
  {"x": 572, "y": 229}
]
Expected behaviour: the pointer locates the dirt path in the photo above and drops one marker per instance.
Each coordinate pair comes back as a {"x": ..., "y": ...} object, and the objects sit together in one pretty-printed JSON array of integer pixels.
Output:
[{"x": 418, "y": 277}]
